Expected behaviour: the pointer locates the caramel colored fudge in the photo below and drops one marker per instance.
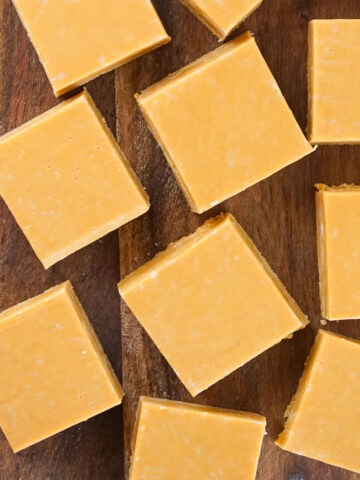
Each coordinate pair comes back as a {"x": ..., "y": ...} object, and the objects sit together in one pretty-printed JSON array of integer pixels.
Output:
[
  {"x": 79, "y": 40},
  {"x": 223, "y": 123},
  {"x": 334, "y": 72},
  {"x": 211, "y": 303},
  {"x": 338, "y": 232},
  {"x": 53, "y": 371},
  {"x": 222, "y": 17},
  {"x": 323, "y": 419},
  {"x": 66, "y": 181},
  {"x": 182, "y": 441}
]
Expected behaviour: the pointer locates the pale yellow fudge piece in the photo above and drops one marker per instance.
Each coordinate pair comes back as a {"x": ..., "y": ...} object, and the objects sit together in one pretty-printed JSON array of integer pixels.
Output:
[
  {"x": 223, "y": 123},
  {"x": 53, "y": 371},
  {"x": 324, "y": 417},
  {"x": 334, "y": 72},
  {"x": 210, "y": 302},
  {"x": 66, "y": 181},
  {"x": 77, "y": 40},
  {"x": 222, "y": 17},
  {"x": 182, "y": 441},
  {"x": 338, "y": 233}
]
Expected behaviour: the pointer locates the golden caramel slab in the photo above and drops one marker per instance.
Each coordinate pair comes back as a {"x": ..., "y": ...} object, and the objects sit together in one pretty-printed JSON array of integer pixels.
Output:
[
  {"x": 323, "y": 419},
  {"x": 211, "y": 303},
  {"x": 334, "y": 72},
  {"x": 53, "y": 371},
  {"x": 182, "y": 441},
  {"x": 222, "y": 17},
  {"x": 77, "y": 40},
  {"x": 223, "y": 123},
  {"x": 66, "y": 181},
  {"x": 338, "y": 232}
]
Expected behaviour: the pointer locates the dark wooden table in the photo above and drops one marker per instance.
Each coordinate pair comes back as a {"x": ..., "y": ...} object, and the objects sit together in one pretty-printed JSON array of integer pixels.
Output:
[{"x": 278, "y": 214}]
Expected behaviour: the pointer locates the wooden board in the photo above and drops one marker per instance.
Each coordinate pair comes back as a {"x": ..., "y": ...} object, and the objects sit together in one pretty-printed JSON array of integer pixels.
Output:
[{"x": 277, "y": 213}]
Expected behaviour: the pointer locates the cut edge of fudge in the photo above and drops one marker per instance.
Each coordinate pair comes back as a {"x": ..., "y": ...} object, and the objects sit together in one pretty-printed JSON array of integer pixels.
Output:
[
  {"x": 292, "y": 408},
  {"x": 110, "y": 226},
  {"x": 173, "y": 404},
  {"x": 321, "y": 248},
  {"x": 81, "y": 80},
  {"x": 310, "y": 78},
  {"x": 321, "y": 241},
  {"x": 212, "y": 25}
]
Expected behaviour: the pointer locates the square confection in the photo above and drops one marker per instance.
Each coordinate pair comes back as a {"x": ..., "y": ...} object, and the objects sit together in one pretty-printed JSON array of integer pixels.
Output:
[
  {"x": 53, "y": 371},
  {"x": 334, "y": 72},
  {"x": 223, "y": 123},
  {"x": 66, "y": 181},
  {"x": 211, "y": 303},
  {"x": 338, "y": 232},
  {"x": 79, "y": 40},
  {"x": 324, "y": 417},
  {"x": 224, "y": 16},
  {"x": 174, "y": 440}
]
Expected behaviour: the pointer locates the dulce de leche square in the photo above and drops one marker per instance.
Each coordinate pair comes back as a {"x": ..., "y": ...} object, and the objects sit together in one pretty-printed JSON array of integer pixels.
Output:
[
  {"x": 223, "y": 123},
  {"x": 211, "y": 303},
  {"x": 323, "y": 419},
  {"x": 77, "y": 40},
  {"x": 53, "y": 371},
  {"x": 183, "y": 441},
  {"x": 66, "y": 181},
  {"x": 334, "y": 71},
  {"x": 338, "y": 233}
]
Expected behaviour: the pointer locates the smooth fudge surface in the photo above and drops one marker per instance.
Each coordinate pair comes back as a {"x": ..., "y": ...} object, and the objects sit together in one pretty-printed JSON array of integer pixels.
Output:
[
  {"x": 66, "y": 181},
  {"x": 323, "y": 419},
  {"x": 224, "y": 16},
  {"x": 79, "y": 40},
  {"x": 210, "y": 303},
  {"x": 53, "y": 371},
  {"x": 334, "y": 72},
  {"x": 338, "y": 233},
  {"x": 223, "y": 123},
  {"x": 182, "y": 441}
]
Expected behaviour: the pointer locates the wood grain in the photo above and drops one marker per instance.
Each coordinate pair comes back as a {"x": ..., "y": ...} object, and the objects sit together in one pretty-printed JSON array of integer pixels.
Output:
[{"x": 278, "y": 214}]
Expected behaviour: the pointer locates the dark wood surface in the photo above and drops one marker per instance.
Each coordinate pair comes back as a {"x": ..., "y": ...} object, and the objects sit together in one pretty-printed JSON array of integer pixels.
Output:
[{"x": 278, "y": 214}]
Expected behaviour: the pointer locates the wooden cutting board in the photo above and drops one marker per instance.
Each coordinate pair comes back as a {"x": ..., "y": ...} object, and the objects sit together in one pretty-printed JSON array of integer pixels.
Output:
[{"x": 277, "y": 213}]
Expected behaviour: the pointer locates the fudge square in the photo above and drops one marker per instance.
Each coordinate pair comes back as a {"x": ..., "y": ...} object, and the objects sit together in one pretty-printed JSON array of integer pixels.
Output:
[
  {"x": 223, "y": 123},
  {"x": 79, "y": 40},
  {"x": 338, "y": 233},
  {"x": 334, "y": 72},
  {"x": 222, "y": 17},
  {"x": 324, "y": 417},
  {"x": 66, "y": 181},
  {"x": 182, "y": 441},
  {"x": 211, "y": 303},
  {"x": 53, "y": 371}
]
